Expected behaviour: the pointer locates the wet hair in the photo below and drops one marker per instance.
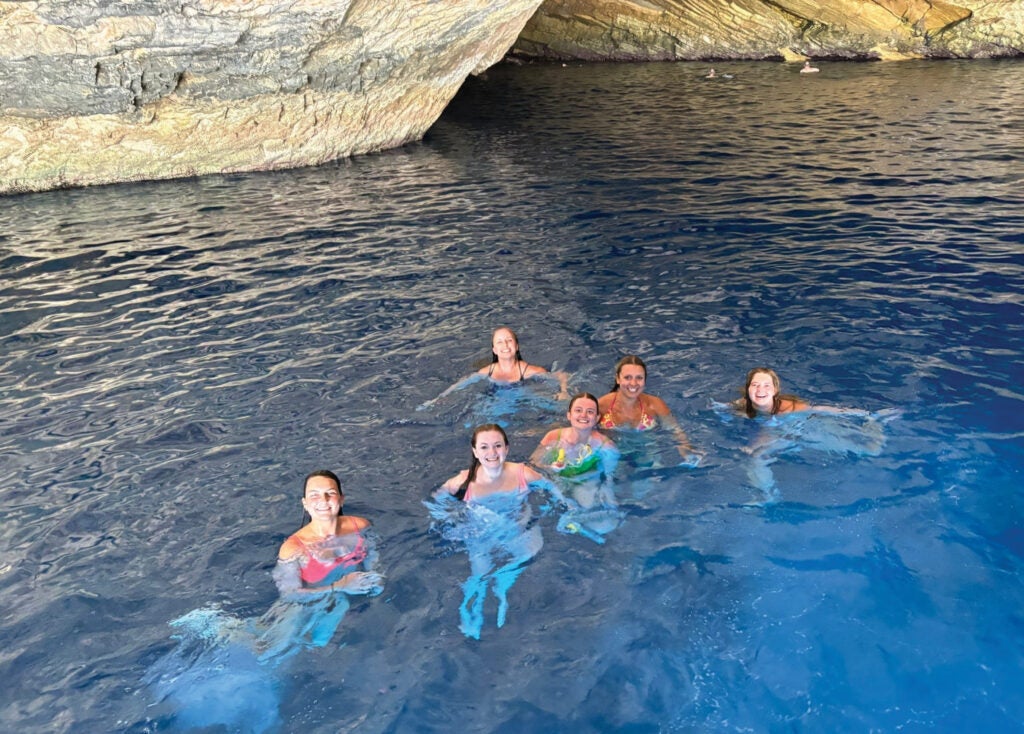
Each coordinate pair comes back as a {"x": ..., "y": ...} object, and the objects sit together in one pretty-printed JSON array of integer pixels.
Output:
[
  {"x": 581, "y": 396},
  {"x": 748, "y": 405},
  {"x": 320, "y": 473},
  {"x": 475, "y": 463},
  {"x": 494, "y": 357},
  {"x": 628, "y": 359}
]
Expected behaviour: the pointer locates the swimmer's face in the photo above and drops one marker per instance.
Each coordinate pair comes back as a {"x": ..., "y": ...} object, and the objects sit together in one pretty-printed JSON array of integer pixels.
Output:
[
  {"x": 490, "y": 449},
  {"x": 762, "y": 390},
  {"x": 322, "y": 497},
  {"x": 504, "y": 343},
  {"x": 582, "y": 413},
  {"x": 631, "y": 379}
]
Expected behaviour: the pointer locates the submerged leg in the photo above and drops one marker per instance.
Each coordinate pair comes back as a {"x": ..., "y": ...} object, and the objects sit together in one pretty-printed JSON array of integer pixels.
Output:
[
  {"x": 471, "y": 612},
  {"x": 523, "y": 549}
]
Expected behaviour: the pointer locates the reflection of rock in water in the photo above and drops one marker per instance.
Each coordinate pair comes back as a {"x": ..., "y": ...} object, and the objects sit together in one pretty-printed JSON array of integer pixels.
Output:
[{"x": 224, "y": 670}]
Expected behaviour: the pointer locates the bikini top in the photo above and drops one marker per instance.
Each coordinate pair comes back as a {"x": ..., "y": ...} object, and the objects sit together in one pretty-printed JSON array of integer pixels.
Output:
[
  {"x": 315, "y": 570},
  {"x": 521, "y": 486},
  {"x": 646, "y": 422},
  {"x": 523, "y": 365}
]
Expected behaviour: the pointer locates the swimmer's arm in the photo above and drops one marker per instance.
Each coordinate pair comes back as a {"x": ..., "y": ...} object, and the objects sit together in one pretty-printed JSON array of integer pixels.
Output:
[
  {"x": 463, "y": 383},
  {"x": 288, "y": 578},
  {"x": 609, "y": 455},
  {"x": 452, "y": 485},
  {"x": 668, "y": 421},
  {"x": 540, "y": 453},
  {"x": 562, "y": 377}
]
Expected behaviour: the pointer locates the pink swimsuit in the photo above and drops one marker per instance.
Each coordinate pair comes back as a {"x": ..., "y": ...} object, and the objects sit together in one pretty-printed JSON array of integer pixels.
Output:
[{"x": 316, "y": 570}]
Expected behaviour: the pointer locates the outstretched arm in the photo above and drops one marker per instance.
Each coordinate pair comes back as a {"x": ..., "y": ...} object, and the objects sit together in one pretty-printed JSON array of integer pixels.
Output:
[{"x": 463, "y": 383}]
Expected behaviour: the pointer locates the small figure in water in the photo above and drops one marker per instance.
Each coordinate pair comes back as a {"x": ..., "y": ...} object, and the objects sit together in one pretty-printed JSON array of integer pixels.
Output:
[
  {"x": 627, "y": 406},
  {"x": 321, "y": 557},
  {"x": 584, "y": 459},
  {"x": 808, "y": 69},
  {"x": 823, "y": 427},
  {"x": 507, "y": 367},
  {"x": 711, "y": 74},
  {"x": 496, "y": 528},
  {"x": 225, "y": 671}
]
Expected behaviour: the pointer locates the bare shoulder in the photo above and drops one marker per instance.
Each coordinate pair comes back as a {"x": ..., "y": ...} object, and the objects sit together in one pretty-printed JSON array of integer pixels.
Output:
[
  {"x": 604, "y": 403},
  {"x": 457, "y": 481},
  {"x": 533, "y": 369},
  {"x": 290, "y": 549},
  {"x": 792, "y": 404},
  {"x": 658, "y": 406},
  {"x": 551, "y": 437},
  {"x": 531, "y": 474},
  {"x": 353, "y": 524}
]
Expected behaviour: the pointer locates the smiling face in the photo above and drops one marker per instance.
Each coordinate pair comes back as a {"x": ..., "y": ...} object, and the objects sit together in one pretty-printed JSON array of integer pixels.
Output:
[
  {"x": 762, "y": 389},
  {"x": 631, "y": 380},
  {"x": 504, "y": 344},
  {"x": 582, "y": 413},
  {"x": 490, "y": 448},
  {"x": 322, "y": 497}
]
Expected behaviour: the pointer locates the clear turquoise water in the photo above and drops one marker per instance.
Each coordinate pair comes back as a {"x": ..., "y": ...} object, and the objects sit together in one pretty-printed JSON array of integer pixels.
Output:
[{"x": 175, "y": 356}]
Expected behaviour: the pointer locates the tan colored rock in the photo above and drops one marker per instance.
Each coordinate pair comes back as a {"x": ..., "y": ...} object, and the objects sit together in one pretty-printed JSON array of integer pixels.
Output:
[
  {"x": 95, "y": 92},
  {"x": 758, "y": 29}
]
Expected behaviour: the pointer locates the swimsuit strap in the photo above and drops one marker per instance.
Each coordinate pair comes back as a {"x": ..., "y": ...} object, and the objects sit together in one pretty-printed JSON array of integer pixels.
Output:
[
  {"x": 522, "y": 370},
  {"x": 490, "y": 370}
]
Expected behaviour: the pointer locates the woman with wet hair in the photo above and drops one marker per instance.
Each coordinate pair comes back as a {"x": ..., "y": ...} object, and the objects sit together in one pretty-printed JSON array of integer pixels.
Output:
[
  {"x": 627, "y": 406},
  {"x": 324, "y": 555}
]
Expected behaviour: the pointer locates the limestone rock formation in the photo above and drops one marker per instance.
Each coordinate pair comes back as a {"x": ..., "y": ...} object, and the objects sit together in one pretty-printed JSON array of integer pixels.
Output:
[
  {"x": 99, "y": 91},
  {"x": 649, "y": 30}
]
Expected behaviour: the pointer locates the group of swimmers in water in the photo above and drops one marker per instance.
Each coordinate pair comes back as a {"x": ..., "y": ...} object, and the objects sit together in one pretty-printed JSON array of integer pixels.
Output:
[{"x": 575, "y": 463}]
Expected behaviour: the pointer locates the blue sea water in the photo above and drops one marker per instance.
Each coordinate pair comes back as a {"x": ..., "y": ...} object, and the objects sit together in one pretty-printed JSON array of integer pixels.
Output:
[{"x": 176, "y": 356}]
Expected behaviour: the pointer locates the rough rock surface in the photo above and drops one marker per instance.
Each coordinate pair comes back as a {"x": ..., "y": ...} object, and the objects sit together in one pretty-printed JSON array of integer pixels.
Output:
[
  {"x": 99, "y": 91},
  {"x": 635, "y": 30}
]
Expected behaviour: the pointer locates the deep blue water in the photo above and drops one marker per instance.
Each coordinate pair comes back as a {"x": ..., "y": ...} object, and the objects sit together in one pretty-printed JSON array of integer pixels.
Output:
[{"x": 175, "y": 356}]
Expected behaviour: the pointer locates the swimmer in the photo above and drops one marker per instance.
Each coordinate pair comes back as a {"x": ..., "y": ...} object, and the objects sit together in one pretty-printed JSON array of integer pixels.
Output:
[
  {"x": 761, "y": 396},
  {"x": 583, "y": 459},
  {"x": 578, "y": 449},
  {"x": 711, "y": 74},
  {"x": 628, "y": 407},
  {"x": 507, "y": 367},
  {"x": 323, "y": 556},
  {"x": 496, "y": 529},
  {"x": 808, "y": 69},
  {"x": 488, "y": 472}
]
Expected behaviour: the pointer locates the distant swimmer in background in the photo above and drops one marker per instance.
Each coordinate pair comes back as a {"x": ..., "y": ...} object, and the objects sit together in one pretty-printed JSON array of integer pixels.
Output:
[
  {"x": 507, "y": 367},
  {"x": 827, "y": 428},
  {"x": 224, "y": 670},
  {"x": 808, "y": 69},
  {"x": 711, "y": 74},
  {"x": 582, "y": 461},
  {"x": 628, "y": 407},
  {"x": 495, "y": 526}
]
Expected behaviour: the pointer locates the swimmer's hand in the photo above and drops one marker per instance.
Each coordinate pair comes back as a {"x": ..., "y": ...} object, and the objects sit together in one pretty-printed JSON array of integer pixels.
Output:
[
  {"x": 692, "y": 459},
  {"x": 360, "y": 582}
]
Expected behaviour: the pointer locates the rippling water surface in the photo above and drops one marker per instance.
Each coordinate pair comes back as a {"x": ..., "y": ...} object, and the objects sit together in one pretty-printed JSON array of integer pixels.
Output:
[{"x": 175, "y": 356}]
